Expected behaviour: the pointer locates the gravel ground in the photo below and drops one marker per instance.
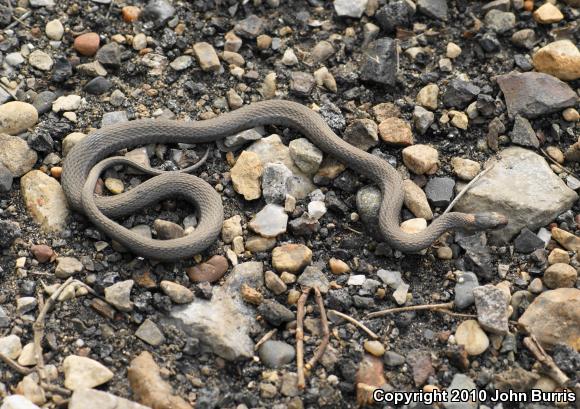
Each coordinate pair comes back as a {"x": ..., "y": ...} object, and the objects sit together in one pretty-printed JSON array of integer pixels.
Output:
[{"x": 441, "y": 89}]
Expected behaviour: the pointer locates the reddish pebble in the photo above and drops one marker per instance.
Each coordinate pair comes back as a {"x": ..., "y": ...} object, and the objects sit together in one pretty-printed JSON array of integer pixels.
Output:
[
  {"x": 55, "y": 172},
  {"x": 42, "y": 252},
  {"x": 130, "y": 13},
  {"x": 528, "y": 5},
  {"x": 87, "y": 44},
  {"x": 212, "y": 270}
]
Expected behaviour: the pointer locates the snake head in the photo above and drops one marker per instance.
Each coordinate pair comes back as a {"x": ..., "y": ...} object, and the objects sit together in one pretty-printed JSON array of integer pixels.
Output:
[{"x": 488, "y": 221}]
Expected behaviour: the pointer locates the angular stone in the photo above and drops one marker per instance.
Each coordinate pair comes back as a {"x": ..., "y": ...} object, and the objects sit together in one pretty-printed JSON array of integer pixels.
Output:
[
  {"x": 566, "y": 239},
  {"x": 45, "y": 200},
  {"x": 250, "y": 27},
  {"x": 396, "y": 131},
  {"x": 246, "y": 175},
  {"x": 523, "y": 134},
  {"x": 81, "y": 373},
  {"x": 533, "y": 94},
  {"x": 460, "y": 383},
  {"x": 275, "y": 181},
  {"x": 492, "y": 307},
  {"x": 150, "y": 333},
  {"x": 350, "y": 8},
  {"x": 291, "y": 257},
  {"x": 416, "y": 200},
  {"x": 521, "y": 186},
  {"x": 95, "y": 399},
  {"x": 206, "y": 57},
  {"x": 381, "y": 62},
  {"x": 500, "y": 21},
  {"x": 436, "y": 9},
  {"x": 439, "y": 191},
  {"x": 421, "y": 159},
  {"x": 118, "y": 295},
  {"x": 547, "y": 13},
  {"x": 466, "y": 283},
  {"x": 465, "y": 169},
  {"x": 16, "y": 155},
  {"x": 305, "y": 155},
  {"x": 271, "y": 221},
  {"x": 362, "y": 133}
]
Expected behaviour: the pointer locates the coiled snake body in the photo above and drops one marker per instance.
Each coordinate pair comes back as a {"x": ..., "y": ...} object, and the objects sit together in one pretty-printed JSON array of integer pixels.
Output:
[{"x": 86, "y": 161}]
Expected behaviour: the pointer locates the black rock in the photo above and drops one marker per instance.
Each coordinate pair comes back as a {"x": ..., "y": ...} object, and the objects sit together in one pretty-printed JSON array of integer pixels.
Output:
[
  {"x": 523, "y": 134},
  {"x": 333, "y": 116},
  {"x": 527, "y": 241},
  {"x": 41, "y": 141},
  {"x": 5, "y": 15},
  {"x": 439, "y": 191},
  {"x": 5, "y": 179},
  {"x": 275, "y": 313},
  {"x": 10, "y": 231},
  {"x": 477, "y": 256},
  {"x": 98, "y": 86},
  {"x": 381, "y": 62},
  {"x": 250, "y": 27},
  {"x": 62, "y": 69},
  {"x": 43, "y": 101},
  {"x": 110, "y": 55},
  {"x": 334, "y": 204},
  {"x": 485, "y": 105},
  {"x": 365, "y": 303},
  {"x": 339, "y": 299},
  {"x": 203, "y": 290},
  {"x": 568, "y": 360},
  {"x": 524, "y": 62},
  {"x": 433, "y": 8},
  {"x": 460, "y": 93},
  {"x": 489, "y": 42},
  {"x": 158, "y": 11},
  {"x": 395, "y": 14}
]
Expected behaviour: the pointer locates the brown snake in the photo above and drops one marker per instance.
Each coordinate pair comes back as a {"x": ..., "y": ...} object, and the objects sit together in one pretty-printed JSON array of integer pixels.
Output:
[{"x": 84, "y": 163}]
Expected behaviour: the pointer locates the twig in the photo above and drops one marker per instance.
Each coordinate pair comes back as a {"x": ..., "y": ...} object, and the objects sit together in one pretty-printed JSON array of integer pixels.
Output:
[
  {"x": 353, "y": 230},
  {"x": 265, "y": 338},
  {"x": 38, "y": 328},
  {"x": 455, "y": 314},
  {"x": 14, "y": 365},
  {"x": 466, "y": 188},
  {"x": 445, "y": 306},
  {"x": 354, "y": 322},
  {"x": 325, "y": 331},
  {"x": 55, "y": 388},
  {"x": 551, "y": 368},
  {"x": 300, "y": 337},
  {"x": 19, "y": 20},
  {"x": 559, "y": 165}
]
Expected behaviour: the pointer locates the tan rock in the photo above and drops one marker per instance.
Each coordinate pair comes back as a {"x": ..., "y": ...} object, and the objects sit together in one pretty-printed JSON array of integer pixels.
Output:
[
  {"x": 246, "y": 175},
  {"x": 421, "y": 159},
  {"x": 453, "y": 50},
  {"x": 44, "y": 200},
  {"x": 465, "y": 169},
  {"x": 386, "y": 110},
  {"x": 567, "y": 240},
  {"x": 427, "y": 96},
  {"x": 338, "y": 266},
  {"x": 558, "y": 256},
  {"x": 375, "y": 348},
  {"x": 206, "y": 56},
  {"x": 413, "y": 226},
  {"x": 553, "y": 318},
  {"x": 571, "y": 115},
  {"x": 416, "y": 200},
  {"x": 257, "y": 244},
  {"x": 459, "y": 119},
  {"x": 231, "y": 228},
  {"x": 472, "y": 337},
  {"x": 291, "y": 257},
  {"x": 548, "y": 14},
  {"x": 16, "y": 155},
  {"x": 16, "y": 117},
  {"x": 555, "y": 153},
  {"x": 396, "y": 131},
  {"x": 81, "y": 372},
  {"x": 560, "y": 275},
  {"x": 560, "y": 59}
]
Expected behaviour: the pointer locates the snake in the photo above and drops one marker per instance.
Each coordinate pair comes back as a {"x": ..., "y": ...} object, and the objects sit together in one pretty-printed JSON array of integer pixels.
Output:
[{"x": 88, "y": 158}]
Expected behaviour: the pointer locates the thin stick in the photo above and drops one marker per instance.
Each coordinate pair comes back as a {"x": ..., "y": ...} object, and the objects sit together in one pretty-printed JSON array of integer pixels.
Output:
[
  {"x": 55, "y": 388},
  {"x": 265, "y": 338},
  {"x": 38, "y": 328},
  {"x": 352, "y": 230},
  {"x": 466, "y": 188},
  {"x": 14, "y": 365},
  {"x": 300, "y": 337},
  {"x": 376, "y": 314},
  {"x": 559, "y": 165},
  {"x": 325, "y": 331},
  {"x": 553, "y": 371},
  {"x": 354, "y": 322},
  {"x": 455, "y": 314}
]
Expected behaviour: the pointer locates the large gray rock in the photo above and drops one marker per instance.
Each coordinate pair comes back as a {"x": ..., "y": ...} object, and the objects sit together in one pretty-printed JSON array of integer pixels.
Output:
[{"x": 521, "y": 186}]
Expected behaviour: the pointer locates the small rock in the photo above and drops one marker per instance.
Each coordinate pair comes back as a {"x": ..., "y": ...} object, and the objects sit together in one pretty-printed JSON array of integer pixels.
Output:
[
  {"x": 18, "y": 401},
  {"x": 275, "y": 313},
  {"x": 181, "y": 63},
  {"x": 547, "y": 13},
  {"x": 16, "y": 156},
  {"x": 305, "y": 155},
  {"x": 119, "y": 295},
  {"x": 98, "y": 86},
  {"x": 560, "y": 59},
  {"x": 25, "y": 305},
  {"x": 322, "y": 51},
  {"x": 500, "y": 21},
  {"x": 421, "y": 159},
  {"x": 274, "y": 283},
  {"x": 466, "y": 283},
  {"x": 422, "y": 119},
  {"x": 176, "y": 292},
  {"x": 92, "y": 398},
  {"x": 471, "y": 336},
  {"x": 66, "y": 103},
  {"x": 275, "y": 181},
  {"x": 428, "y": 96},
  {"x": 16, "y": 117},
  {"x": 558, "y": 256},
  {"x": 250, "y": 27},
  {"x": 158, "y": 11},
  {"x": 439, "y": 191},
  {"x": 436, "y": 9},
  {"x": 54, "y": 30},
  {"x": 291, "y": 257},
  {"x": 461, "y": 382},
  {"x": 460, "y": 93},
  {"x": 212, "y": 270},
  {"x": 10, "y": 346},
  {"x": 42, "y": 253},
  {"x": 375, "y": 348},
  {"x": 40, "y": 60},
  {"x": 231, "y": 228},
  {"x": 444, "y": 253},
  {"x": 314, "y": 277},
  {"x": 362, "y": 133},
  {"x": 87, "y": 44},
  {"x": 81, "y": 373},
  {"x": 560, "y": 275},
  {"x": 246, "y": 175},
  {"x": 413, "y": 226},
  {"x": 150, "y": 333},
  {"x": 396, "y": 131},
  {"x": 523, "y": 133},
  {"x": 416, "y": 200},
  {"x": 67, "y": 266},
  {"x": 275, "y": 354},
  {"x": 350, "y": 8},
  {"x": 301, "y": 83},
  {"x": 492, "y": 308},
  {"x": 110, "y": 55},
  {"x": 465, "y": 169},
  {"x": 527, "y": 241},
  {"x": 395, "y": 14},
  {"x": 167, "y": 230},
  {"x": 271, "y": 221},
  {"x": 453, "y": 50},
  {"x": 338, "y": 266},
  {"x": 381, "y": 62}
]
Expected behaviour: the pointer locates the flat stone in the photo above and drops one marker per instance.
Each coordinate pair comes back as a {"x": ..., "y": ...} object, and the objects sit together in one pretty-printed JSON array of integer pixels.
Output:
[
  {"x": 492, "y": 308},
  {"x": 275, "y": 313},
  {"x": 301, "y": 83},
  {"x": 472, "y": 337},
  {"x": 40, "y": 60},
  {"x": 560, "y": 275},
  {"x": 500, "y": 21},
  {"x": 18, "y": 401},
  {"x": 114, "y": 117},
  {"x": 250, "y": 27},
  {"x": 246, "y": 175},
  {"x": 15, "y": 155},
  {"x": 45, "y": 200},
  {"x": 291, "y": 257},
  {"x": 271, "y": 221},
  {"x": 305, "y": 155},
  {"x": 276, "y": 180},
  {"x": 16, "y": 117},
  {"x": 461, "y": 382},
  {"x": 560, "y": 59},
  {"x": 527, "y": 241},
  {"x": 465, "y": 169},
  {"x": 534, "y": 94},
  {"x": 553, "y": 318},
  {"x": 521, "y": 186},
  {"x": 436, "y": 9},
  {"x": 547, "y": 13},
  {"x": 67, "y": 103},
  {"x": 275, "y": 354},
  {"x": 212, "y": 270},
  {"x": 381, "y": 62},
  {"x": 95, "y": 399},
  {"x": 464, "y": 287},
  {"x": 350, "y": 8},
  {"x": 178, "y": 293},
  {"x": 523, "y": 134},
  {"x": 150, "y": 333},
  {"x": 82, "y": 373},
  {"x": 11, "y": 346},
  {"x": 314, "y": 277},
  {"x": 460, "y": 93},
  {"x": 525, "y": 38},
  {"x": 206, "y": 57},
  {"x": 566, "y": 239},
  {"x": 362, "y": 133},
  {"x": 439, "y": 191},
  {"x": 396, "y": 131},
  {"x": 119, "y": 294},
  {"x": 421, "y": 159}
]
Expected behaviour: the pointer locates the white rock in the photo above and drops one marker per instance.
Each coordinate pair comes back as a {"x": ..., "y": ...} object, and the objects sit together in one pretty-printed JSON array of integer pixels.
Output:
[
  {"x": 67, "y": 103},
  {"x": 95, "y": 399},
  {"x": 316, "y": 209},
  {"x": 40, "y": 60},
  {"x": 81, "y": 373},
  {"x": 54, "y": 30},
  {"x": 17, "y": 117},
  {"x": 271, "y": 221},
  {"x": 350, "y": 8},
  {"x": 356, "y": 279},
  {"x": 11, "y": 346},
  {"x": 289, "y": 58},
  {"x": 17, "y": 402},
  {"x": 45, "y": 200}
]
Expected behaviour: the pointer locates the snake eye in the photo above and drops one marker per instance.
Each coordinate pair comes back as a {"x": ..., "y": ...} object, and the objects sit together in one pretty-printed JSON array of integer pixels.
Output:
[{"x": 492, "y": 220}]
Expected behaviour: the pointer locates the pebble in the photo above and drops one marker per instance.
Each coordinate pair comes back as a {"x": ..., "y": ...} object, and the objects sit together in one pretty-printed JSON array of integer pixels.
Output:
[
  {"x": 87, "y": 44},
  {"x": 422, "y": 119},
  {"x": 368, "y": 202},
  {"x": 525, "y": 38},
  {"x": 67, "y": 266},
  {"x": 67, "y": 103},
  {"x": 231, "y": 228},
  {"x": 54, "y": 30},
  {"x": 470, "y": 335},
  {"x": 571, "y": 115},
  {"x": 98, "y": 399},
  {"x": 119, "y": 294},
  {"x": 17, "y": 117},
  {"x": 10, "y": 346},
  {"x": 544, "y": 318},
  {"x": 547, "y": 13},
  {"x": 375, "y": 348},
  {"x": 110, "y": 55},
  {"x": 428, "y": 96},
  {"x": 395, "y": 14},
  {"x": 421, "y": 159},
  {"x": 380, "y": 62},
  {"x": 460, "y": 93},
  {"x": 527, "y": 241},
  {"x": 275, "y": 354},
  {"x": 350, "y": 8},
  {"x": 523, "y": 134},
  {"x": 500, "y": 21},
  {"x": 139, "y": 41},
  {"x": 558, "y": 256},
  {"x": 275, "y": 313},
  {"x": 6, "y": 179},
  {"x": 212, "y": 270},
  {"x": 460, "y": 383},
  {"x": 181, "y": 63},
  {"x": 453, "y": 50},
  {"x": 130, "y": 13},
  {"x": 25, "y": 305},
  {"x": 416, "y": 200},
  {"x": 176, "y": 292},
  {"x": 560, "y": 59},
  {"x": 444, "y": 253},
  {"x": 338, "y": 266},
  {"x": 274, "y": 283},
  {"x": 322, "y": 51},
  {"x": 301, "y": 83},
  {"x": 291, "y": 257},
  {"x": 275, "y": 180},
  {"x": 305, "y": 155},
  {"x": 150, "y": 333},
  {"x": 465, "y": 169},
  {"x": 17, "y": 401},
  {"x": 246, "y": 174},
  {"x": 98, "y": 86},
  {"x": 560, "y": 275},
  {"x": 313, "y": 277},
  {"x": 250, "y": 27},
  {"x": 15, "y": 155},
  {"x": 71, "y": 140},
  {"x": 14, "y": 59},
  {"x": 40, "y": 60},
  {"x": 27, "y": 356},
  {"x": 534, "y": 94},
  {"x": 114, "y": 185},
  {"x": 459, "y": 119},
  {"x": 45, "y": 200},
  {"x": 396, "y": 131},
  {"x": 167, "y": 230},
  {"x": 271, "y": 221},
  {"x": 82, "y": 373},
  {"x": 413, "y": 226},
  {"x": 436, "y": 9},
  {"x": 158, "y": 11},
  {"x": 492, "y": 307},
  {"x": 466, "y": 283},
  {"x": 11, "y": 231},
  {"x": 362, "y": 133},
  {"x": 316, "y": 209},
  {"x": 115, "y": 117}
]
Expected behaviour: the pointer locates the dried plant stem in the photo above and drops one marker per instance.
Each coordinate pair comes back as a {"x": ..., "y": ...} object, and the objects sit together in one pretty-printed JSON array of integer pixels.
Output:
[
  {"x": 551, "y": 368},
  {"x": 325, "y": 331},
  {"x": 265, "y": 338},
  {"x": 14, "y": 365},
  {"x": 354, "y": 322},
  {"x": 300, "y": 337},
  {"x": 444, "y": 306},
  {"x": 466, "y": 188}
]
